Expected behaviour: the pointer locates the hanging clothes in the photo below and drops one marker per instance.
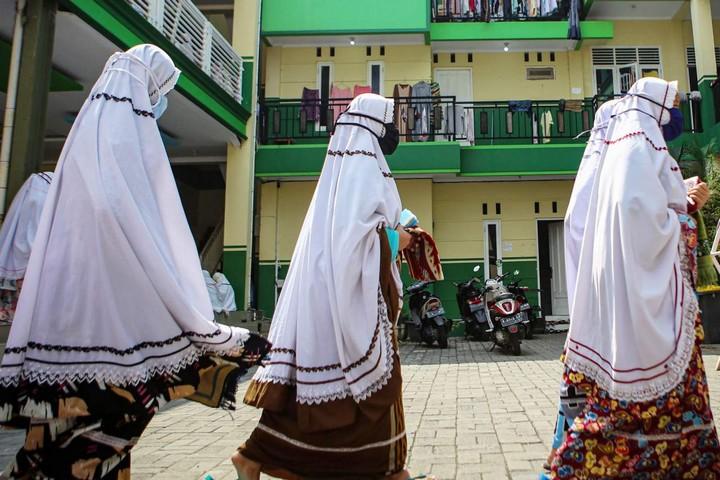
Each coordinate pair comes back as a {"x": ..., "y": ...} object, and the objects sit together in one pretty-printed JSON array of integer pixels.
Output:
[
  {"x": 422, "y": 103},
  {"x": 546, "y": 124},
  {"x": 340, "y": 99},
  {"x": 402, "y": 94},
  {"x": 360, "y": 89},
  {"x": 310, "y": 104},
  {"x": 574, "y": 21}
]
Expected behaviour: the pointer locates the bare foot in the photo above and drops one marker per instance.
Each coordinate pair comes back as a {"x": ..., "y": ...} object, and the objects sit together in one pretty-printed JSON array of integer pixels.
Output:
[{"x": 246, "y": 468}]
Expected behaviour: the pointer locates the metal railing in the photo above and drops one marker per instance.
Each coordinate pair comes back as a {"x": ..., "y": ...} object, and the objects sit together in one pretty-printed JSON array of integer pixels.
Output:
[
  {"x": 188, "y": 29},
  {"x": 296, "y": 121}
]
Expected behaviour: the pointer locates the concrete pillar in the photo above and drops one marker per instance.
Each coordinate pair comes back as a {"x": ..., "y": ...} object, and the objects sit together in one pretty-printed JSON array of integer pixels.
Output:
[
  {"x": 237, "y": 258},
  {"x": 704, "y": 41},
  {"x": 26, "y": 150}
]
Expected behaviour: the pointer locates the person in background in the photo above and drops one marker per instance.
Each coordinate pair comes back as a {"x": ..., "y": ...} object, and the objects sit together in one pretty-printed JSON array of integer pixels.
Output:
[
  {"x": 331, "y": 392},
  {"x": 114, "y": 320},
  {"x": 633, "y": 343},
  {"x": 16, "y": 238}
]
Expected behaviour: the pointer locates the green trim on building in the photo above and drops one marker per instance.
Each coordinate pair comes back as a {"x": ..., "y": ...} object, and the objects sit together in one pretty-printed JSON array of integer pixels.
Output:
[
  {"x": 247, "y": 83},
  {"x": 118, "y": 21},
  {"x": 332, "y": 17},
  {"x": 521, "y": 160},
  {"x": 59, "y": 82},
  {"x": 307, "y": 160},
  {"x": 235, "y": 269},
  {"x": 509, "y": 31}
]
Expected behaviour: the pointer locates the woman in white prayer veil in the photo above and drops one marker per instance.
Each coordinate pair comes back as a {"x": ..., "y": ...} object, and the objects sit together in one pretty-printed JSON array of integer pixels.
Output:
[
  {"x": 114, "y": 319},
  {"x": 634, "y": 341},
  {"x": 331, "y": 391},
  {"x": 16, "y": 238}
]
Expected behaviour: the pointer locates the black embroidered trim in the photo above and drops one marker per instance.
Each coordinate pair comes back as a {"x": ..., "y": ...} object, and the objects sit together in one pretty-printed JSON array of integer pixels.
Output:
[
  {"x": 112, "y": 350},
  {"x": 351, "y": 153},
  {"x": 107, "y": 96},
  {"x": 387, "y": 174},
  {"x": 334, "y": 366}
]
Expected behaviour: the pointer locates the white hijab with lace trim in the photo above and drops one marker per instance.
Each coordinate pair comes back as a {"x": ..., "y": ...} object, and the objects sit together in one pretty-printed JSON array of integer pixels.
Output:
[
  {"x": 632, "y": 328},
  {"x": 331, "y": 333},
  {"x": 20, "y": 225},
  {"x": 114, "y": 291}
]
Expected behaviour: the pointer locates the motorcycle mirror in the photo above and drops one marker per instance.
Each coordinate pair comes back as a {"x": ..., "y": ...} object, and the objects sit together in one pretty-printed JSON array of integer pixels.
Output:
[{"x": 476, "y": 269}]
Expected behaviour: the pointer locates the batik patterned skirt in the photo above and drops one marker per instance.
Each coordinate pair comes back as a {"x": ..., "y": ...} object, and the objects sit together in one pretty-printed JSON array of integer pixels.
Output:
[
  {"x": 670, "y": 438},
  {"x": 85, "y": 430}
]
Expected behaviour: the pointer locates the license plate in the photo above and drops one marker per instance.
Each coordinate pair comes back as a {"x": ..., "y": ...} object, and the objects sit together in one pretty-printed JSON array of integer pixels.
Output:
[
  {"x": 515, "y": 319},
  {"x": 436, "y": 313},
  {"x": 525, "y": 306},
  {"x": 474, "y": 307}
]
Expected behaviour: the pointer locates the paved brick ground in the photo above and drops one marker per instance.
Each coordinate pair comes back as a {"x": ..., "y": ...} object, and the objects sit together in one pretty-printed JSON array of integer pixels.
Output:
[{"x": 471, "y": 414}]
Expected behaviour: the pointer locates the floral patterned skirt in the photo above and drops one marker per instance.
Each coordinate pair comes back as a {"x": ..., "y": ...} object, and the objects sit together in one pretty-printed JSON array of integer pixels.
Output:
[
  {"x": 670, "y": 438},
  {"x": 86, "y": 430},
  {"x": 9, "y": 295}
]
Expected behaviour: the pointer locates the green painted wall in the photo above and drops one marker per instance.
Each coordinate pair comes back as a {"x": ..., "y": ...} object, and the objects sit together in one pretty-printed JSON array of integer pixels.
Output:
[
  {"x": 509, "y": 31},
  {"x": 307, "y": 160},
  {"x": 235, "y": 268},
  {"x": 526, "y": 160},
  {"x": 337, "y": 17},
  {"x": 289, "y": 161}
]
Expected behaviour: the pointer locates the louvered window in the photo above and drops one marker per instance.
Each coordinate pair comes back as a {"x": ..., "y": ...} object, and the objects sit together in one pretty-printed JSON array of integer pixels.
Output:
[
  {"x": 690, "y": 55},
  {"x": 626, "y": 56}
]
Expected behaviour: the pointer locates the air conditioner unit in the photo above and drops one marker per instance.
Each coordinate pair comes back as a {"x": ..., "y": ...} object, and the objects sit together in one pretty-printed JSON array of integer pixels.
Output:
[{"x": 540, "y": 73}]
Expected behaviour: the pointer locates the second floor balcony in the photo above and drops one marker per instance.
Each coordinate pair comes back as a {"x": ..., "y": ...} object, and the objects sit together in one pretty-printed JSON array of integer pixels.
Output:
[{"x": 444, "y": 119}]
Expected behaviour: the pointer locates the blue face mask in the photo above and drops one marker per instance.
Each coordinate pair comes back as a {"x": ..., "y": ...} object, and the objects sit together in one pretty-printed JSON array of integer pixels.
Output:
[
  {"x": 160, "y": 108},
  {"x": 674, "y": 128}
]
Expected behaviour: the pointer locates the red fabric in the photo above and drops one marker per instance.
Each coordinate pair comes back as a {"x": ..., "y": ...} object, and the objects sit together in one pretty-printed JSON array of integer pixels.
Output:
[{"x": 423, "y": 258}]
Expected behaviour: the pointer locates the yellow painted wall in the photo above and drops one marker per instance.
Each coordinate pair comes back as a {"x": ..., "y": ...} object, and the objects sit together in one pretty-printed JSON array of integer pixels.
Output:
[
  {"x": 502, "y": 76},
  {"x": 293, "y": 198},
  {"x": 457, "y": 212},
  {"x": 289, "y": 69}
]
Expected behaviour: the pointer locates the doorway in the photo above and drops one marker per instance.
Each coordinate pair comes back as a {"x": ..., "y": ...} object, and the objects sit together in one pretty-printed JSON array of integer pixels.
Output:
[
  {"x": 493, "y": 252},
  {"x": 456, "y": 82},
  {"x": 551, "y": 269}
]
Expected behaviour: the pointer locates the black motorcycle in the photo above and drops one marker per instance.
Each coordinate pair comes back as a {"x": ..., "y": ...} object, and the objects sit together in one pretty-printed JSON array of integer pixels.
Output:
[
  {"x": 427, "y": 315},
  {"x": 471, "y": 302},
  {"x": 508, "y": 323}
]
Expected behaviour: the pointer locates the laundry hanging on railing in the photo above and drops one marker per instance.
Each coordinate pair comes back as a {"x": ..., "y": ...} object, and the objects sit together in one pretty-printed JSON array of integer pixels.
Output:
[
  {"x": 422, "y": 105},
  {"x": 401, "y": 108},
  {"x": 340, "y": 100},
  {"x": 546, "y": 124},
  {"x": 489, "y": 10},
  {"x": 310, "y": 104}
]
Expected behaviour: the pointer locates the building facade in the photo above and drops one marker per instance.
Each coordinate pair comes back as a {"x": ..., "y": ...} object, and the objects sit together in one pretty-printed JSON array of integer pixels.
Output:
[
  {"x": 490, "y": 113},
  {"x": 491, "y": 105}
]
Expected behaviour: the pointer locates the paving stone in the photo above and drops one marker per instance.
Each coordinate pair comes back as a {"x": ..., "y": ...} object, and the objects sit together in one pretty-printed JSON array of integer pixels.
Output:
[{"x": 470, "y": 414}]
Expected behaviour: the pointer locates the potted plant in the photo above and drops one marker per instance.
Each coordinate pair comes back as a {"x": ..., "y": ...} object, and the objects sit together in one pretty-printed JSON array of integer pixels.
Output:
[{"x": 697, "y": 160}]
